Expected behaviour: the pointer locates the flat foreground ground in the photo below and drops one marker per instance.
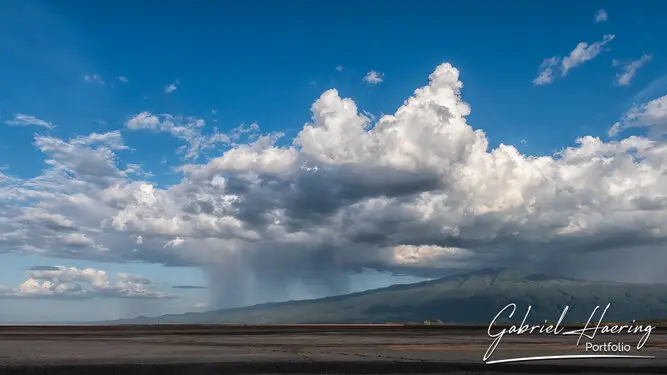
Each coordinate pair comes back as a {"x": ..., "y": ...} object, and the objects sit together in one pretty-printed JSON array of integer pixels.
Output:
[{"x": 223, "y": 349}]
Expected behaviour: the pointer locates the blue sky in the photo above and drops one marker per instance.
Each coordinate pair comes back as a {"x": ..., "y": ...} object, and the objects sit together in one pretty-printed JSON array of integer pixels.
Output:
[{"x": 187, "y": 71}]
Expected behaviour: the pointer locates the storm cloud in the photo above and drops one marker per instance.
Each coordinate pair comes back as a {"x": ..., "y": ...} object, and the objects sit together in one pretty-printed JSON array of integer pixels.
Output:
[{"x": 418, "y": 192}]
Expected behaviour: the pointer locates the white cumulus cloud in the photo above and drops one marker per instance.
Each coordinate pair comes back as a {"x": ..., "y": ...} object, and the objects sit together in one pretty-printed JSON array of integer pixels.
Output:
[{"x": 71, "y": 282}]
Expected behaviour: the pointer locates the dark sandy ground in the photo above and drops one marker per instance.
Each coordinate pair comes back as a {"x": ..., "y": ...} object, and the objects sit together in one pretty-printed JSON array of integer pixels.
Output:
[{"x": 220, "y": 349}]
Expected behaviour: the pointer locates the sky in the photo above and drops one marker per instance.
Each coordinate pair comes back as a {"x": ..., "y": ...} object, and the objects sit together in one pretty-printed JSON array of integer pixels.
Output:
[{"x": 190, "y": 156}]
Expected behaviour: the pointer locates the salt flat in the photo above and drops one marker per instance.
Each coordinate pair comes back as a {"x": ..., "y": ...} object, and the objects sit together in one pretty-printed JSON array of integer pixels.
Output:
[{"x": 212, "y": 349}]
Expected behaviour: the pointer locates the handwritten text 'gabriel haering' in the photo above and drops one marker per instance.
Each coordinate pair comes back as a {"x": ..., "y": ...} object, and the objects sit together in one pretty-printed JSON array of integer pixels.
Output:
[{"x": 557, "y": 329}]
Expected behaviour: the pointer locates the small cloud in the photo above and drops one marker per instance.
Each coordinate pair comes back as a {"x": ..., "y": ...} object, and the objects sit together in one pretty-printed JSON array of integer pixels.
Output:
[
  {"x": 188, "y": 287},
  {"x": 524, "y": 142},
  {"x": 93, "y": 78},
  {"x": 339, "y": 68},
  {"x": 601, "y": 16},
  {"x": 629, "y": 69},
  {"x": 123, "y": 79},
  {"x": 171, "y": 87},
  {"x": 76, "y": 240},
  {"x": 214, "y": 111},
  {"x": 373, "y": 77},
  {"x": 44, "y": 268},
  {"x": 176, "y": 242},
  {"x": 583, "y": 52},
  {"x": 133, "y": 279},
  {"x": 312, "y": 83},
  {"x": 21, "y": 119}
]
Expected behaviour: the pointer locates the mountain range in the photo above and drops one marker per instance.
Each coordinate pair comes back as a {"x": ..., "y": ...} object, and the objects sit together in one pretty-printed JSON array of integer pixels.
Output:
[{"x": 469, "y": 298}]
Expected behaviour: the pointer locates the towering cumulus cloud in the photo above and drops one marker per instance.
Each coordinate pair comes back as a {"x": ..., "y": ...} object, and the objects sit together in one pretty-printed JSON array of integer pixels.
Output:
[{"x": 417, "y": 192}]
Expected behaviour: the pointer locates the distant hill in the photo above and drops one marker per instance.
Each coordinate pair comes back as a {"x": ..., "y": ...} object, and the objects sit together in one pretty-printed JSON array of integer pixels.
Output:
[{"x": 471, "y": 298}]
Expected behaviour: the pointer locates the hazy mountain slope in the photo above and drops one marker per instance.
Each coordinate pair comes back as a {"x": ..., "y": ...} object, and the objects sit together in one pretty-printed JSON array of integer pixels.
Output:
[{"x": 468, "y": 298}]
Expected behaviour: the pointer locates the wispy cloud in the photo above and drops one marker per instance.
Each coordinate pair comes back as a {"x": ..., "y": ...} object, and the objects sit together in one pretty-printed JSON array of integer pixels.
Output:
[
  {"x": 190, "y": 129},
  {"x": 657, "y": 87},
  {"x": 339, "y": 68},
  {"x": 21, "y": 119},
  {"x": 93, "y": 78},
  {"x": 583, "y": 52},
  {"x": 629, "y": 69},
  {"x": 547, "y": 71},
  {"x": 123, "y": 79},
  {"x": 601, "y": 16},
  {"x": 373, "y": 77},
  {"x": 188, "y": 287}
]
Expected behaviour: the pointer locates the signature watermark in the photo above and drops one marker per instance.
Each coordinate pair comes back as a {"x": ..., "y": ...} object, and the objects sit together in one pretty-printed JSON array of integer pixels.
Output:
[{"x": 590, "y": 349}]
